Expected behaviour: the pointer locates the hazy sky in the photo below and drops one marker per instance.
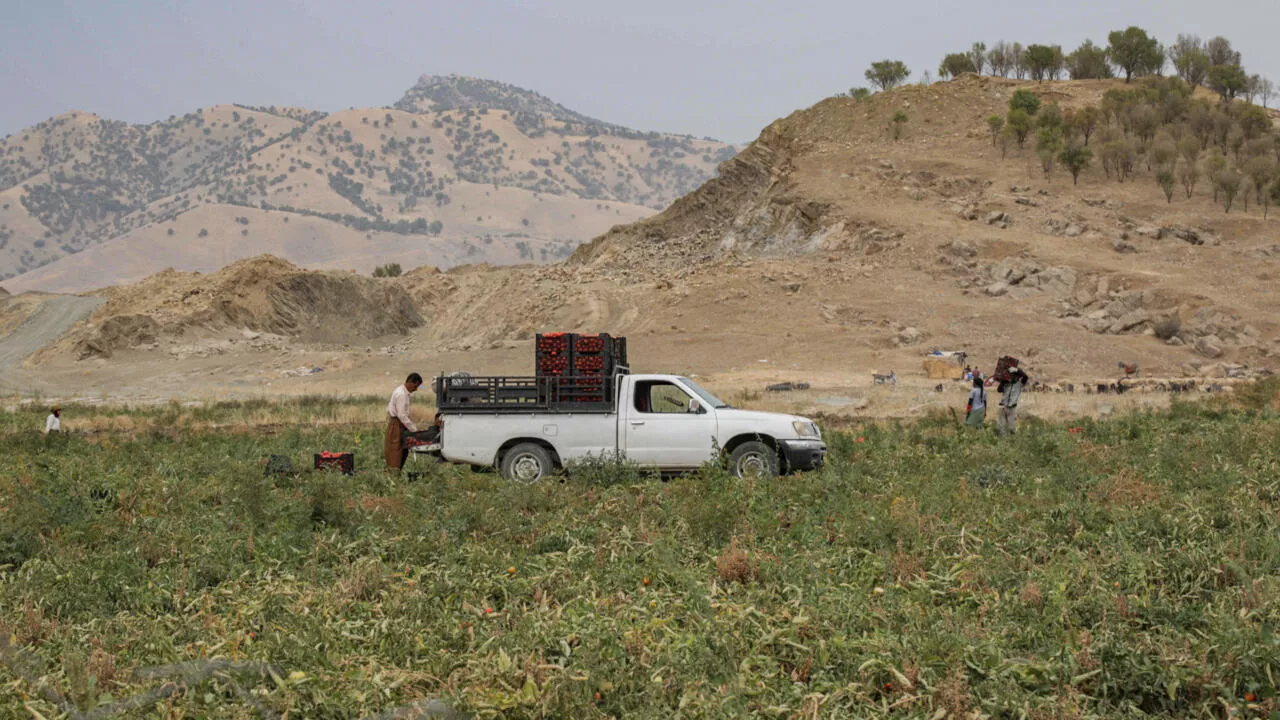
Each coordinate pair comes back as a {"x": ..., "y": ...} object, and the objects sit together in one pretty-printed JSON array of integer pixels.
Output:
[{"x": 724, "y": 69}]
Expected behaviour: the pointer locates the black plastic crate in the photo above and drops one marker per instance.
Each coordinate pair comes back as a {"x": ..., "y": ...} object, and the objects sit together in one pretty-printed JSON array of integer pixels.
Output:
[{"x": 342, "y": 462}]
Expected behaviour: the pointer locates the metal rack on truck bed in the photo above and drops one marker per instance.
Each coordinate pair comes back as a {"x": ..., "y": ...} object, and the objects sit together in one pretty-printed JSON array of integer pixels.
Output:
[{"x": 553, "y": 393}]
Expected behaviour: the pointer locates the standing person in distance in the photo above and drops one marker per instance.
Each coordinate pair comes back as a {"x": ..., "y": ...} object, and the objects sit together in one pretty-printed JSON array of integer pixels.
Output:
[
  {"x": 53, "y": 423},
  {"x": 975, "y": 413},
  {"x": 1010, "y": 392},
  {"x": 399, "y": 423}
]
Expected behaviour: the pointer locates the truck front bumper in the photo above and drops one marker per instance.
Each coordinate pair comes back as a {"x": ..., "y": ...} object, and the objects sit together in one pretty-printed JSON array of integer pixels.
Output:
[{"x": 803, "y": 455}]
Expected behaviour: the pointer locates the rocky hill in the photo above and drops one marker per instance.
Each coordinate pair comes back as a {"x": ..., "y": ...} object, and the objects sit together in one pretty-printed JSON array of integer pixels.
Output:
[
  {"x": 828, "y": 248},
  {"x": 462, "y": 170}
]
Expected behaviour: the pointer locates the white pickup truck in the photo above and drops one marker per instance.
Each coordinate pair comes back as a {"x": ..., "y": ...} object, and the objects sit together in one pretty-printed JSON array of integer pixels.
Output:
[{"x": 529, "y": 428}]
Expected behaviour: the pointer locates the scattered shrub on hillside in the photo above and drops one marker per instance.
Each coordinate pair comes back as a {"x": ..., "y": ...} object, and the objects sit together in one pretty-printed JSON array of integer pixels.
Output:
[
  {"x": 1048, "y": 145},
  {"x": 1075, "y": 158},
  {"x": 1166, "y": 181},
  {"x": 899, "y": 123},
  {"x": 1006, "y": 140},
  {"x": 887, "y": 74},
  {"x": 1026, "y": 101},
  {"x": 389, "y": 270},
  {"x": 1020, "y": 125},
  {"x": 1227, "y": 185},
  {"x": 995, "y": 124}
]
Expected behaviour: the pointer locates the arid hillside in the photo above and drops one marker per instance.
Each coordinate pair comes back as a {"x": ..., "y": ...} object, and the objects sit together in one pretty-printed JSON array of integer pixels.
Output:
[
  {"x": 484, "y": 172},
  {"x": 828, "y": 250}
]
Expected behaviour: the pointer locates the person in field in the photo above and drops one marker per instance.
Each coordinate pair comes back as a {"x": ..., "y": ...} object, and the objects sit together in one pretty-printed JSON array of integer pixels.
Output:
[
  {"x": 1010, "y": 392},
  {"x": 53, "y": 423},
  {"x": 975, "y": 413},
  {"x": 399, "y": 423}
]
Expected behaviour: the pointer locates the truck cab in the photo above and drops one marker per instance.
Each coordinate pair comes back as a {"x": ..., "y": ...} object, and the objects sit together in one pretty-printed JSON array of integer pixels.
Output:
[{"x": 530, "y": 427}]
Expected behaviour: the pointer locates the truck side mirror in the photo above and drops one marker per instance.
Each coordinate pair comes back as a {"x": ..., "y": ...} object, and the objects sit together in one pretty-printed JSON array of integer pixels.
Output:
[{"x": 695, "y": 407}]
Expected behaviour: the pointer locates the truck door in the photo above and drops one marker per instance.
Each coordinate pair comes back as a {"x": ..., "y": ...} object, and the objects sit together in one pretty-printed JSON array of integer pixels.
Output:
[{"x": 660, "y": 428}]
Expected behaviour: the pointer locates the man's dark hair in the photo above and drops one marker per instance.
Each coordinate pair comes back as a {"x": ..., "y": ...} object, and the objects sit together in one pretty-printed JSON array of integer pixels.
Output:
[{"x": 414, "y": 378}]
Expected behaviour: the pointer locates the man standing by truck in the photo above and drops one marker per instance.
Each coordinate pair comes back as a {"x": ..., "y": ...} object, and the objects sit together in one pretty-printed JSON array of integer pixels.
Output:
[
  {"x": 1010, "y": 392},
  {"x": 399, "y": 423}
]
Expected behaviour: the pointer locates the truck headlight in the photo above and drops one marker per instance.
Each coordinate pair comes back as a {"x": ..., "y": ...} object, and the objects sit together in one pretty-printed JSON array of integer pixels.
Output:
[{"x": 805, "y": 428}]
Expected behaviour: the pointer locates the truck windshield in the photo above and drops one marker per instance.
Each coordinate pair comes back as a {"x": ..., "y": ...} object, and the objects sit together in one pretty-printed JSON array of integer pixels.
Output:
[{"x": 703, "y": 395}]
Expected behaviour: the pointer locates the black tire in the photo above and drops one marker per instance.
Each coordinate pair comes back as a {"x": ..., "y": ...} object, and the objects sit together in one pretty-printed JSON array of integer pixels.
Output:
[
  {"x": 754, "y": 458},
  {"x": 527, "y": 463}
]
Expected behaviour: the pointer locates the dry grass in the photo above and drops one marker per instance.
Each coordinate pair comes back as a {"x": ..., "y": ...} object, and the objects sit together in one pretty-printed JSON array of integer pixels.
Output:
[
  {"x": 736, "y": 565},
  {"x": 1126, "y": 488},
  {"x": 953, "y": 694}
]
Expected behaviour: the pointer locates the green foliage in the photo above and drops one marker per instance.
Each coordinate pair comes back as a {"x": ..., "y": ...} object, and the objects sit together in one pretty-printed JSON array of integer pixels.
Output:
[
  {"x": 1084, "y": 122},
  {"x": 1020, "y": 124},
  {"x": 389, "y": 270},
  {"x": 1050, "y": 117},
  {"x": 955, "y": 65},
  {"x": 1165, "y": 180},
  {"x": 1049, "y": 142},
  {"x": 887, "y": 74},
  {"x": 995, "y": 124},
  {"x": 1075, "y": 158},
  {"x": 1045, "y": 62},
  {"x": 1135, "y": 52},
  {"x": 1119, "y": 158},
  {"x": 900, "y": 120},
  {"x": 923, "y": 566},
  {"x": 1227, "y": 183},
  {"x": 1254, "y": 121},
  {"x": 1190, "y": 60},
  {"x": 859, "y": 93},
  {"x": 1026, "y": 101},
  {"x": 1089, "y": 62},
  {"x": 1227, "y": 80}
]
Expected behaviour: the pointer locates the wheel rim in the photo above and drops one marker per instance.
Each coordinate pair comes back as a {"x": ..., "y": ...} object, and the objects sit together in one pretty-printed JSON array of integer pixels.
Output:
[
  {"x": 526, "y": 469},
  {"x": 752, "y": 463}
]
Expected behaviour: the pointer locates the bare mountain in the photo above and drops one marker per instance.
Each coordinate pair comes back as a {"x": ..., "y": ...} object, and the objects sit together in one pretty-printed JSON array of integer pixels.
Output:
[{"x": 463, "y": 170}]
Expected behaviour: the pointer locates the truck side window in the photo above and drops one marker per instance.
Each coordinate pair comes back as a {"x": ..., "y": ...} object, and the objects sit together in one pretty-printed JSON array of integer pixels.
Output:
[{"x": 655, "y": 396}]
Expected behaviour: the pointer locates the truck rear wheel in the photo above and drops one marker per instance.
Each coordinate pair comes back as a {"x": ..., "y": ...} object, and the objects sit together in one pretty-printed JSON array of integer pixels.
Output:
[
  {"x": 754, "y": 458},
  {"x": 527, "y": 463}
]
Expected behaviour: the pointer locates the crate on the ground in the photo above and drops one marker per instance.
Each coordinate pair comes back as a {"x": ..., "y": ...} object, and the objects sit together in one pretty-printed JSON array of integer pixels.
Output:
[{"x": 343, "y": 462}]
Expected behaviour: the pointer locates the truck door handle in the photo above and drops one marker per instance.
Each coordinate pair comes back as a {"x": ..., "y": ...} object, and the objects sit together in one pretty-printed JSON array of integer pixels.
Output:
[{"x": 637, "y": 422}]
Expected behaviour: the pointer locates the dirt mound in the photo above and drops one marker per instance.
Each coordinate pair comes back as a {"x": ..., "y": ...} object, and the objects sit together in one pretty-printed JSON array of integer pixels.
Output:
[
  {"x": 3, "y": 293},
  {"x": 263, "y": 294}
]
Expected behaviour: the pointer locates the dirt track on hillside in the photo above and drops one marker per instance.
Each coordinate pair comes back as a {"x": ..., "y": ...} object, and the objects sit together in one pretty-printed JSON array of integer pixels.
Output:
[{"x": 55, "y": 316}]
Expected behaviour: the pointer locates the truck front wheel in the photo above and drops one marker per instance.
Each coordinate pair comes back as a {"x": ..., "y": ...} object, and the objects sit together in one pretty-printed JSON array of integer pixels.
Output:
[
  {"x": 754, "y": 458},
  {"x": 527, "y": 463}
]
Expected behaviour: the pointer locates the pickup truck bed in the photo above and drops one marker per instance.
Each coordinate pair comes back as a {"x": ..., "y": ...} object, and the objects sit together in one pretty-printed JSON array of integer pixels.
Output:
[{"x": 553, "y": 394}]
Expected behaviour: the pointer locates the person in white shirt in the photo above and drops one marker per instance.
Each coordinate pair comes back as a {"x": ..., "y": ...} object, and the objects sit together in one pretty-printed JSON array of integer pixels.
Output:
[
  {"x": 53, "y": 423},
  {"x": 975, "y": 413},
  {"x": 399, "y": 423}
]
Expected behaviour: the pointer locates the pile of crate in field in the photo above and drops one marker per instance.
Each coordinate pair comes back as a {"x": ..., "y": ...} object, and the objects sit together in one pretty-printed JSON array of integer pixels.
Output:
[{"x": 584, "y": 365}]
